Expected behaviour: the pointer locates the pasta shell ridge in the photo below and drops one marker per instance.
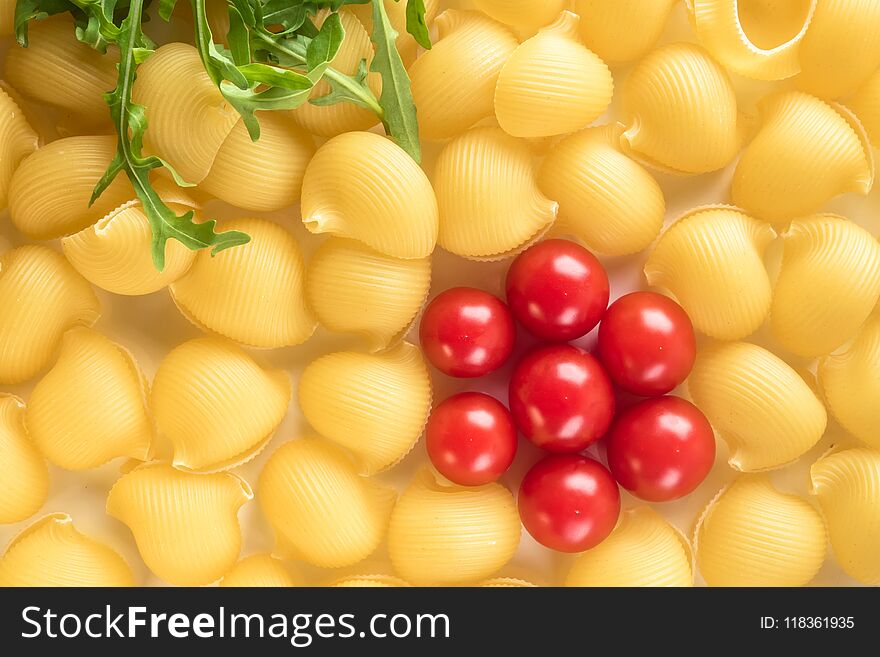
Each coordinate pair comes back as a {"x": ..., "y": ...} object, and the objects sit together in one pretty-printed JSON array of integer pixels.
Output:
[
  {"x": 52, "y": 552},
  {"x": 622, "y": 30},
  {"x": 17, "y": 140},
  {"x": 371, "y": 581},
  {"x": 758, "y": 404},
  {"x": 391, "y": 208},
  {"x": 865, "y": 103},
  {"x": 375, "y": 405},
  {"x": 262, "y": 570},
  {"x": 751, "y": 534},
  {"x": 506, "y": 583},
  {"x": 524, "y": 15},
  {"x": 22, "y": 468},
  {"x": 185, "y": 525}
]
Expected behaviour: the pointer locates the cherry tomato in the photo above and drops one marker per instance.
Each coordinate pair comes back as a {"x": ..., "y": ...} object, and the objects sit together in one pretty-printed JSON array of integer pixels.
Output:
[
  {"x": 471, "y": 439},
  {"x": 569, "y": 502},
  {"x": 647, "y": 344},
  {"x": 661, "y": 449},
  {"x": 561, "y": 398},
  {"x": 467, "y": 333},
  {"x": 557, "y": 290}
]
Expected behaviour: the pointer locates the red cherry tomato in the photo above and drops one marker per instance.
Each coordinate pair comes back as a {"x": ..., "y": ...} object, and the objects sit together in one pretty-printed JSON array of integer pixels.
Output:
[
  {"x": 557, "y": 290},
  {"x": 647, "y": 344},
  {"x": 661, "y": 449},
  {"x": 561, "y": 398},
  {"x": 471, "y": 439},
  {"x": 569, "y": 502},
  {"x": 467, "y": 333}
]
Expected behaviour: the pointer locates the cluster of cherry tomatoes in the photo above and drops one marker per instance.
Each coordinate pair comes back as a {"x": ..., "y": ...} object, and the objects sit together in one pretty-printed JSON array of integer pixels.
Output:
[{"x": 562, "y": 398}]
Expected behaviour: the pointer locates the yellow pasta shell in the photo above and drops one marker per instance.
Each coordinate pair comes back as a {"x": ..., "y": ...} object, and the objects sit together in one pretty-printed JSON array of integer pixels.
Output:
[
  {"x": 185, "y": 525},
  {"x": 850, "y": 382},
  {"x": 711, "y": 260},
  {"x": 91, "y": 406},
  {"x": 524, "y": 15},
  {"x": 847, "y": 485},
  {"x": 320, "y": 509},
  {"x": 115, "y": 253},
  {"x": 17, "y": 140},
  {"x": 758, "y": 404},
  {"x": 370, "y": 582},
  {"x": 22, "y": 468},
  {"x": 841, "y": 49},
  {"x": 753, "y": 535},
  {"x": 391, "y": 207},
  {"x": 262, "y": 571},
  {"x": 643, "y": 550},
  {"x": 754, "y": 38},
  {"x": 189, "y": 119},
  {"x": 354, "y": 289},
  {"x": 7, "y": 17},
  {"x": 52, "y": 552},
  {"x": 332, "y": 120},
  {"x": 57, "y": 69},
  {"x": 622, "y": 30},
  {"x": 406, "y": 44},
  {"x": 376, "y": 405},
  {"x": 680, "y": 111},
  {"x": 449, "y": 104},
  {"x": 441, "y": 535},
  {"x": 866, "y": 104},
  {"x": 552, "y": 84},
  {"x": 253, "y": 294},
  {"x": 216, "y": 405},
  {"x": 42, "y": 296},
  {"x": 606, "y": 199},
  {"x": 240, "y": 176},
  {"x": 506, "y": 583},
  {"x": 828, "y": 284},
  {"x": 487, "y": 190},
  {"x": 805, "y": 153},
  {"x": 50, "y": 190}
]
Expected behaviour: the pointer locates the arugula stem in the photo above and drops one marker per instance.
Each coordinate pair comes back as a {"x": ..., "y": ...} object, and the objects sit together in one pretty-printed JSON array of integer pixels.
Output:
[{"x": 298, "y": 53}]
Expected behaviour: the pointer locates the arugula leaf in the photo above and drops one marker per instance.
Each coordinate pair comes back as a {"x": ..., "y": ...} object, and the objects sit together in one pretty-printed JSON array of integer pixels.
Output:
[
  {"x": 323, "y": 48},
  {"x": 166, "y": 8},
  {"x": 399, "y": 118},
  {"x": 28, "y": 10},
  {"x": 416, "y": 23}
]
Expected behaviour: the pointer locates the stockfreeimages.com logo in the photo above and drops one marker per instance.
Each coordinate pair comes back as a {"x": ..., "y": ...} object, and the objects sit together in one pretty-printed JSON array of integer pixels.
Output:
[{"x": 301, "y": 630}]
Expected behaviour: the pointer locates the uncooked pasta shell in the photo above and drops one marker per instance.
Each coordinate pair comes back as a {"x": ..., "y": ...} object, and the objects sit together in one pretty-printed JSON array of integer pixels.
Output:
[
  {"x": 758, "y": 404},
  {"x": 643, "y": 550},
  {"x": 847, "y": 485},
  {"x": 622, "y": 30},
  {"x": 115, "y": 253},
  {"x": 758, "y": 40},
  {"x": 406, "y": 44},
  {"x": 827, "y": 286},
  {"x": 680, "y": 111},
  {"x": 321, "y": 510},
  {"x": 216, "y": 405},
  {"x": 42, "y": 296},
  {"x": 7, "y": 17},
  {"x": 841, "y": 49},
  {"x": 262, "y": 571},
  {"x": 442, "y": 535},
  {"x": 866, "y": 104},
  {"x": 850, "y": 382},
  {"x": 253, "y": 294},
  {"x": 370, "y": 582},
  {"x": 754, "y": 535},
  {"x": 448, "y": 104},
  {"x": 353, "y": 289},
  {"x": 805, "y": 153},
  {"x": 711, "y": 260},
  {"x": 52, "y": 552},
  {"x": 552, "y": 84},
  {"x": 332, "y": 120},
  {"x": 188, "y": 117},
  {"x": 91, "y": 406},
  {"x": 487, "y": 191},
  {"x": 365, "y": 187},
  {"x": 185, "y": 525},
  {"x": 506, "y": 583},
  {"x": 17, "y": 140},
  {"x": 376, "y": 405},
  {"x": 50, "y": 190},
  {"x": 605, "y": 198},
  {"x": 524, "y": 15},
  {"x": 23, "y": 469},
  {"x": 58, "y": 69}
]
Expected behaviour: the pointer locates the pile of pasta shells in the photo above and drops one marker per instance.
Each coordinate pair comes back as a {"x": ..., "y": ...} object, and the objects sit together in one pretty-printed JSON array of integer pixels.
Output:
[{"x": 254, "y": 418}]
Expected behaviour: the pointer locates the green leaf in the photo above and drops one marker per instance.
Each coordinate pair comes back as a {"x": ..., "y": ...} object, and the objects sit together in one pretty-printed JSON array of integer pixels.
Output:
[
  {"x": 323, "y": 48},
  {"x": 416, "y": 23},
  {"x": 238, "y": 38},
  {"x": 28, "y": 10},
  {"x": 347, "y": 94},
  {"x": 400, "y": 119},
  {"x": 276, "y": 77},
  {"x": 166, "y": 8}
]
